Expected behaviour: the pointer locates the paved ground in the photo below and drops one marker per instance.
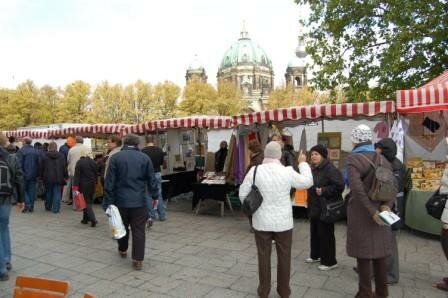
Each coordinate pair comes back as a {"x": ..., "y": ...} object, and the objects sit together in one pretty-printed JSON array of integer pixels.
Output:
[{"x": 195, "y": 256}]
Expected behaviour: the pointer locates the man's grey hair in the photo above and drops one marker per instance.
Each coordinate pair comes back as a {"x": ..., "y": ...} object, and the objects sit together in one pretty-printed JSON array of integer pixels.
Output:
[
  {"x": 27, "y": 140},
  {"x": 79, "y": 140},
  {"x": 131, "y": 140}
]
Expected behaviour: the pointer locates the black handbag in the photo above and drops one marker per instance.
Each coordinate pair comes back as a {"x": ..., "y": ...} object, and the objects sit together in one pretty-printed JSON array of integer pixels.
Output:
[
  {"x": 253, "y": 200},
  {"x": 333, "y": 211},
  {"x": 436, "y": 204}
]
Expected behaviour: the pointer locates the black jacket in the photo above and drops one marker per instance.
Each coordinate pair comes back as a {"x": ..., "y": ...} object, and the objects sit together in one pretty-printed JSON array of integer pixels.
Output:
[
  {"x": 329, "y": 178},
  {"x": 129, "y": 176},
  {"x": 156, "y": 155},
  {"x": 289, "y": 157},
  {"x": 220, "y": 159},
  {"x": 53, "y": 168},
  {"x": 16, "y": 177},
  {"x": 86, "y": 172}
]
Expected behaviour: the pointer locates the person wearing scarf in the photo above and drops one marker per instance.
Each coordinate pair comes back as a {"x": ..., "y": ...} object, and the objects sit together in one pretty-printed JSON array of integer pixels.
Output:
[{"x": 369, "y": 240}]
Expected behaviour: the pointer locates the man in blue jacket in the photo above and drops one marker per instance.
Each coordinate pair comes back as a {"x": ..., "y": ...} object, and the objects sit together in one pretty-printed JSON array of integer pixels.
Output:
[
  {"x": 29, "y": 161},
  {"x": 129, "y": 178}
]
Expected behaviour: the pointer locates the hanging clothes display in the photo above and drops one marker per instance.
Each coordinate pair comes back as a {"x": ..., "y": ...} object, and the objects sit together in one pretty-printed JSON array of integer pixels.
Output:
[{"x": 397, "y": 134}]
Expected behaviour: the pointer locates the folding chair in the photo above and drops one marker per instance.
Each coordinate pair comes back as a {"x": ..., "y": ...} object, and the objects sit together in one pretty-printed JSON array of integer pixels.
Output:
[{"x": 38, "y": 287}]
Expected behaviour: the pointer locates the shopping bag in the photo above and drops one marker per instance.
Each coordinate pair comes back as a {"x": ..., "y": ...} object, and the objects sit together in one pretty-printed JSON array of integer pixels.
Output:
[
  {"x": 115, "y": 223},
  {"x": 301, "y": 197},
  {"x": 79, "y": 202}
]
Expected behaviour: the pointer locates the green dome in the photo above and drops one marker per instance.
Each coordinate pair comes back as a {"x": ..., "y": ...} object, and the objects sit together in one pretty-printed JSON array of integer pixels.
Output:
[{"x": 245, "y": 51}]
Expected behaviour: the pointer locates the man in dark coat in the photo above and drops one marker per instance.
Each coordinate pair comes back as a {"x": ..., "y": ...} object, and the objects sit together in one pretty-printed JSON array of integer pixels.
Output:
[
  {"x": 17, "y": 190},
  {"x": 388, "y": 149},
  {"x": 29, "y": 158},
  {"x": 129, "y": 179},
  {"x": 368, "y": 238},
  {"x": 220, "y": 157},
  {"x": 53, "y": 170}
]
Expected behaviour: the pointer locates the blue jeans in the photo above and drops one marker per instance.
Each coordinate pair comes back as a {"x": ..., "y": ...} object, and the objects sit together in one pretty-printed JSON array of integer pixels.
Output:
[
  {"x": 5, "y": 241},
  {"x": 161, "y": 204},
  {"x": 30, "y": 193},
  {"x": 53, "y": 197}
]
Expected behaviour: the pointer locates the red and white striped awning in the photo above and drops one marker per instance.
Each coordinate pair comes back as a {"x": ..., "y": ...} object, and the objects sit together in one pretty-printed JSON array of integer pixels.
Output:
[
  {"x": 82, "y": 130},
  {"x": 214, "y": 122},
  {"x": 343, "y": 110},
  {"x": 424, "y": 99}
]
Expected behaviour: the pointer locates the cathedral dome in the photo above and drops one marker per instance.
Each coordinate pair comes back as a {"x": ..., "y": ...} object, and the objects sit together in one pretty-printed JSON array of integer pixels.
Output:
[{"x": 245, "y": 51}]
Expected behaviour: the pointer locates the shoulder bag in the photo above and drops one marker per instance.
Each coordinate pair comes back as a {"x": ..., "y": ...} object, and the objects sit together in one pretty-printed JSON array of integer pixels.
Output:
[
  {"x": 253, "y": 200},
  {"x": 332, "y": 211}
]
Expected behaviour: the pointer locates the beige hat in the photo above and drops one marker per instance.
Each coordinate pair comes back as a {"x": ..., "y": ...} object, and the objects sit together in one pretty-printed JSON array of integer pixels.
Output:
[{"x": 273, "y": 150}]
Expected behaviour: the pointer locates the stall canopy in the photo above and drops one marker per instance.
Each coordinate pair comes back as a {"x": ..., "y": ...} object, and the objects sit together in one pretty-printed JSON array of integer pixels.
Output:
[
  {"x": 433, "y": 96},
  {"x": 214, "y": 122},
  {"x": 89, "y": 130},
  {"x": 327, "y": 111}
]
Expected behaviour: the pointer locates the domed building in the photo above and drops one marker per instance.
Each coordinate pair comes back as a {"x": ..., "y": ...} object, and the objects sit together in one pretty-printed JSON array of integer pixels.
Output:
[
  {"x": 248, "y": 66},
  {"x": 196, "y": 71},
  {"x": 296, "y": 70}
]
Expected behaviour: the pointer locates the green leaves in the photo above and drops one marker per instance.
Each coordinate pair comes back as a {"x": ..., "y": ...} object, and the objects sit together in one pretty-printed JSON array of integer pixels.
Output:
[{"x": 392, "y": 44}]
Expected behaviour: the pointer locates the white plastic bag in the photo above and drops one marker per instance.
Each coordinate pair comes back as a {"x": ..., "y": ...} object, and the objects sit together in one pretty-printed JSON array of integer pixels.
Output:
[{"x": 115, "y": 223}]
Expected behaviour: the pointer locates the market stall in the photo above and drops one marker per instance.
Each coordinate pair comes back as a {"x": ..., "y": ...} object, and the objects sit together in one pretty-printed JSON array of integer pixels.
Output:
[
  {"x": 423, "y": 116},
  {"x": 186, "y": 143},
  {"x": 329, "y": 124}
]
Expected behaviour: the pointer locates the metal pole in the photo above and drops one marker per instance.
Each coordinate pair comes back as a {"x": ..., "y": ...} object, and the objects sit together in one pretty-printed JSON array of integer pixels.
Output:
[{"x": 323, "y": 124}]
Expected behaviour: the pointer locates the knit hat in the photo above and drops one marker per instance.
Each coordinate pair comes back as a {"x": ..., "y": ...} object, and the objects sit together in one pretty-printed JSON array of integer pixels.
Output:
[
  {"x": 273, "y": 150},
  {"x": 361, "y": 134},
  {"x": 321, "y": 149}
]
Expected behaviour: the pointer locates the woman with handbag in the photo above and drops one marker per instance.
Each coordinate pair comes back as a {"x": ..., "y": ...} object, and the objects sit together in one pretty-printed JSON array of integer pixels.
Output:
[
  {"x": 84, "y": 182},
  {"x": 327, "y": 188},
  {"x": 273, "y": 219}
]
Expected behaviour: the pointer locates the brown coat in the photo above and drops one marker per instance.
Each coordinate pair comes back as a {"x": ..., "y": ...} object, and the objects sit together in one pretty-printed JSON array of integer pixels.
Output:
[
  {"x": 255, "y": 160},
  {"x": 365, "y": 238}
]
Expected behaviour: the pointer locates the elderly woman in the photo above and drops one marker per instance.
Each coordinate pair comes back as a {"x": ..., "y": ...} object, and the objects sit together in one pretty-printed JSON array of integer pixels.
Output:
[
  {"x": 84, "y": 181},
  {"x": 273, "y": 219},
  {"x": 368, "y": 239},
  {"x": 328, "y": 187}
]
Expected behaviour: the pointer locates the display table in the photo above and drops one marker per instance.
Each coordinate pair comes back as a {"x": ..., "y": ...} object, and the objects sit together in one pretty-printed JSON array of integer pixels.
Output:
[
  {"x": 416, "y": 216},
  {"x": 217, "y": 192},
  {"x": 180, "y": 182}
]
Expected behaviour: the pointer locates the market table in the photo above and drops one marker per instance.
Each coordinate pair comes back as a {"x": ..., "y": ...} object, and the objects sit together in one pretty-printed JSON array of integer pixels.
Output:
[
  {"x": 416, "y": 216},
  {"x": 217, "y": 192},
  {"x": 180, "y": 182}
]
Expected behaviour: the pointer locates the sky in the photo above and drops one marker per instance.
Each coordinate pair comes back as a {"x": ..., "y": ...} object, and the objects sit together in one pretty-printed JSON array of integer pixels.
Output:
[{"x": 56, "y": 42}]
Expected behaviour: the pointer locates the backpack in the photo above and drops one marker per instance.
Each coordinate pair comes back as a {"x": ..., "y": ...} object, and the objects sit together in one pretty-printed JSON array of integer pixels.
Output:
[
  {"x": 436, "y": 204},
  {"x": 384, "y": 187},
  {"x": 6, "y": 189}
]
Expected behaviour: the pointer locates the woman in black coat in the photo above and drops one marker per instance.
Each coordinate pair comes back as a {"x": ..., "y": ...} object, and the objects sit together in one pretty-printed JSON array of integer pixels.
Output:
[
  {"x": 86, "y": 171},
  {"x": 328, "y": 186},
  {"x": 53, "y": 170}
]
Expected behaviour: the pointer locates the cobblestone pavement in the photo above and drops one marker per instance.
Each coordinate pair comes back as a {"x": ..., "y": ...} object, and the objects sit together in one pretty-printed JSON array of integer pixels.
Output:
[{"x": 196, "y": 256}]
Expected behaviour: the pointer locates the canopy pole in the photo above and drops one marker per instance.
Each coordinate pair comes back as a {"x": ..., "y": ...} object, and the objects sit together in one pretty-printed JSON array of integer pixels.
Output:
[{"x": 323, "y": 124}]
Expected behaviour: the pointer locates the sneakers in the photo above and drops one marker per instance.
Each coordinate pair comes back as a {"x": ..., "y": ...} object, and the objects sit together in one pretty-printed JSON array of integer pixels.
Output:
[
  {"x": 326, "y": 268},
  {"x": 310, "y": 260},
  {"x": 4, "y": 277}
]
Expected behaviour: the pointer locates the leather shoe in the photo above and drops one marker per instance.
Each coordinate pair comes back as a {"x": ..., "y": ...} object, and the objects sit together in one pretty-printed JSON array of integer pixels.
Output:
[
  {"x": 8, "y": 266},
  {"x": 93, "y": 223},
  {"x": 123, "y": 254},
  {"x": 84, "y": 222},
  {"x": 137, "y": 265},
  {"x": 4, "y": 277}
]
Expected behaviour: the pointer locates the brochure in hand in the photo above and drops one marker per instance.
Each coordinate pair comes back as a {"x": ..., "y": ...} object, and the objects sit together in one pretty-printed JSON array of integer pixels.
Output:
[{"x": 389, "y": 218}]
